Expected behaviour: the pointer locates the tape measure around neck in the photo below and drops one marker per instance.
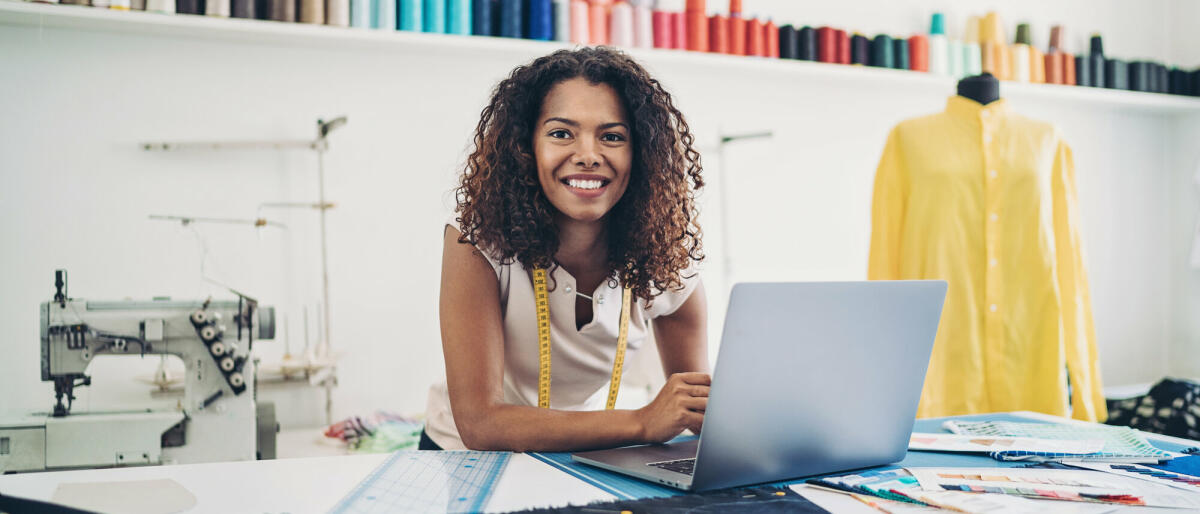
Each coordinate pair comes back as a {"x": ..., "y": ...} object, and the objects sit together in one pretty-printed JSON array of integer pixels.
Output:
[{"x": 542, "y": 300}]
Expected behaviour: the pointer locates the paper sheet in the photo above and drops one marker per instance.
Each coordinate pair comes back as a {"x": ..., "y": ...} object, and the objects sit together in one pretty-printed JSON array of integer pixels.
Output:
[
  {"x": 1060, "y": 484},
  {"x": 971, "y": 443},
  {"x": 1147, "y": 473},
  {"x": 162, "y": 496}
]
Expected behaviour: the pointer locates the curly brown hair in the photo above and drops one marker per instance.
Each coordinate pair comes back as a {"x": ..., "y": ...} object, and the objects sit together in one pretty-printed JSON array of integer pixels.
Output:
[{"x": 652, "y": 231}]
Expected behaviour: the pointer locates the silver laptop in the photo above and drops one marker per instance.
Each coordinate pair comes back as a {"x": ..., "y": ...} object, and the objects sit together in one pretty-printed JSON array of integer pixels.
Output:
[{"x": 811, "y": 378}]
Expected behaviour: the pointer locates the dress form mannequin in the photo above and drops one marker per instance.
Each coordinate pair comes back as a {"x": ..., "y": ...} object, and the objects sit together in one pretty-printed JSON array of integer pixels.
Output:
[{"x": 984, "y": 88}]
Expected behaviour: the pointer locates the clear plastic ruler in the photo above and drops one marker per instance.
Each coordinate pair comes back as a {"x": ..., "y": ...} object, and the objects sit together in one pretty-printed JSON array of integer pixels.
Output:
[{"x": 427, "y": 481}]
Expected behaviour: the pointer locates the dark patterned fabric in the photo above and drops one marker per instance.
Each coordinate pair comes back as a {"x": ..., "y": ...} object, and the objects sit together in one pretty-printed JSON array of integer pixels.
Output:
[
  {"x": 1172, "y": 407},
  {"x": 758, "y": 500}
]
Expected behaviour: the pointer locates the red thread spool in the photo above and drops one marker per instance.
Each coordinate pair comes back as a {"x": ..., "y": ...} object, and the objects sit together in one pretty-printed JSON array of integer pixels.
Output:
[
  {"x": 664, "y": 30},
  {"x": 718, "y": 33},
  {"x": 826, "y": 45},
  {"x": 1054, "y": 68},
  {"x": 697, "y": 26},
  {"x": 737, "y": 35},
  {"x": 754, "y": 38},
  {"x": 842, "y": 51},
  {"x": 771, "y": 35},
  {"x": 918, "y": 53},
  {"x": 680, "y": 31}
]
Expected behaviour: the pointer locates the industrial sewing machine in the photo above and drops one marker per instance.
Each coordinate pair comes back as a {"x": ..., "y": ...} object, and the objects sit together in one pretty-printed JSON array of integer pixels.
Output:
[{"x": 216, "y": 420}]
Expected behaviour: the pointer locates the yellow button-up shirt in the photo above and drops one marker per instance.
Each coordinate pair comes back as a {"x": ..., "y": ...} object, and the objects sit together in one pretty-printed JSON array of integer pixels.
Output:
[{"x": 985, "y": 199}]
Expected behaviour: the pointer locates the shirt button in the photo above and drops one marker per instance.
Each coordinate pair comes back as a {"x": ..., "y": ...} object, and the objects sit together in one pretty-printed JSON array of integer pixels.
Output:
[
  {"x": 993, "y": 173},
  {"x": 993, "y": 263},
  {"x": 600, "y": 299},
  {"x": 994, "y": 217},
  {"x": 993, "y": 307},
  {"x": 567, "y": 289},
  {"x": 987, "y": 138}
]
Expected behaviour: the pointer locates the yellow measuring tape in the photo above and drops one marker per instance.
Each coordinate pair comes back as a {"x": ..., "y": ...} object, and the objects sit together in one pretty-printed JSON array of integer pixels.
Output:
[{"x": 542, "y": 299}]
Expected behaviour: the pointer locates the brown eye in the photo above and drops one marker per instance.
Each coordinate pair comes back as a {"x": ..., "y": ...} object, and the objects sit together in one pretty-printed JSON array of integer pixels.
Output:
[
  {"x": 612, "y": 137},
  {"x": 559, "y": 134}
]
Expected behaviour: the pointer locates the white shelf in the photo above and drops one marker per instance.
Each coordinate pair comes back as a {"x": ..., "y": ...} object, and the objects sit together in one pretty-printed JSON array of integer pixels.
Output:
[{"x": 27, "y": 14}]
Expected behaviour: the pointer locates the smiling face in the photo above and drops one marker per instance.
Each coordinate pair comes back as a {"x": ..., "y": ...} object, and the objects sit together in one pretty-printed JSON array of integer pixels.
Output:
[{"x": 583, "y": 149}]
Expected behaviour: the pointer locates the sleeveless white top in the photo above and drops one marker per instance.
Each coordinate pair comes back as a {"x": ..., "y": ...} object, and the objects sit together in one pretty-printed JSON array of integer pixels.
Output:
[{"x": 581, "y": 360}]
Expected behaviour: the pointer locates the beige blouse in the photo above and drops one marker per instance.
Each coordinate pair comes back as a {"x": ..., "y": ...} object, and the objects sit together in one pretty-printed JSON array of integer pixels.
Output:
[{"x": 582, "y": 359}]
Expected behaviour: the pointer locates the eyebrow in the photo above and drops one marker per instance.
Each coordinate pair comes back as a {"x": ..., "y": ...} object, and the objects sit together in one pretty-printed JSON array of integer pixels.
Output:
[{"x": 574, "y": 123}]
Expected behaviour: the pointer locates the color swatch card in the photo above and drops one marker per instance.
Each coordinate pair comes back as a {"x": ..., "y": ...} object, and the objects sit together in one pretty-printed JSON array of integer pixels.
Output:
[
  {"x": 1055, "y": 484},
  {"x": 1121, "y": 444},
  {"x": 984, "y": 444},
  {"x": 890, "y": 484},
  {"x": 976, "y": 503},
  {"x": 1176, "y": 480}
]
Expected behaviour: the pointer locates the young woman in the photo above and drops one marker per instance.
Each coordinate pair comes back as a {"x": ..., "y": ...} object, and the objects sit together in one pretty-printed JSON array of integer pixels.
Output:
[{"x": 580, "y": 191}]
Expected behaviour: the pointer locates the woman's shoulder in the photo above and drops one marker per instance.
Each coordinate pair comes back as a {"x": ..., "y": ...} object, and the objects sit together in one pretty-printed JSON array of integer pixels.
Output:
[
  {"x": 452, "y": 222},
  {"x": 670, "y": 299}
]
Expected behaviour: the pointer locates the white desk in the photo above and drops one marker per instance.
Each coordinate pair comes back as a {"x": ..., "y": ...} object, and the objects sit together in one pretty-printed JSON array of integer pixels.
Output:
[
  {"x": 306, "y": 484},
  {"x": 315, "y": 484}
]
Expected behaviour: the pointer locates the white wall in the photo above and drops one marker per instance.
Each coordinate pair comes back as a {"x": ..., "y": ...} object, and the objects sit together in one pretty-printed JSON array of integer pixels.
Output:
[{"x": 76, "y": 188}]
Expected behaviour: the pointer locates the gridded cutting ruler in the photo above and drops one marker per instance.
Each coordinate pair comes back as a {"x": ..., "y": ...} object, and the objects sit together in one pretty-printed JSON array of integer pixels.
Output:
[{"x": 427, "y": 481}]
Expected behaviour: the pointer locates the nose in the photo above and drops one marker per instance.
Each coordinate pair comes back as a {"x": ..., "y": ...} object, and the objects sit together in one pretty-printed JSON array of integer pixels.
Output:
[{"x": 586, "y": 155}]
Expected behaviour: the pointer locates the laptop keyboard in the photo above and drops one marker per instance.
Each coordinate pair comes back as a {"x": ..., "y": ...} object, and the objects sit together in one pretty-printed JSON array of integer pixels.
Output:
[{"x": 684, "y": 466}]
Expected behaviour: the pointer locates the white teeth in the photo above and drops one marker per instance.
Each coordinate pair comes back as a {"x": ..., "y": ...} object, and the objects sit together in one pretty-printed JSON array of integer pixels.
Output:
[{"x": 584, "y": 184}]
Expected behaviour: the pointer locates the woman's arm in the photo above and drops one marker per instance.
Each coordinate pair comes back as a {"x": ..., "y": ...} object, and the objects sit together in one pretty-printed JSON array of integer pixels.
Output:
[
  {"x": 473, "y": 344},
  {"x": 682, "y": 336}
]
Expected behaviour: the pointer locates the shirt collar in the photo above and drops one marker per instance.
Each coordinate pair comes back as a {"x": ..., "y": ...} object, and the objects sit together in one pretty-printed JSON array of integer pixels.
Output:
[{"x": 972, "y": 110}]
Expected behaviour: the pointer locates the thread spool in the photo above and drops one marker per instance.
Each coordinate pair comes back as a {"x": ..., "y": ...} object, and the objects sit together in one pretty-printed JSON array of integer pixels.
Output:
[
  {"x": 697, "y": 26},
  {"x": 643, "y": 24},
  {"x": 580, "y": 25},
  {"x": 809, "y": 47},
  {"x": 789, "y": 42},
  {"x": 860, "y": 50},
  {"x": 939, "y": 46},
  {"x": 664, "y": 35},
  {"x": 1068, "y": 64},
  {"x": 680, "y": 30},
  {"x": 337, "y": 13},
  {"x": 311, "y": 11},
  {"x": 1116, "y": 74},
  {"x": 181, "y": 6},
  {"x": 240, "y": 9},
  {"x": 955, "y": 55},
  {"x": 882, "y": 52},
  {"x": 901, "y": 53},
  {"x": 598, "y": 28},
  {"x": 621, "y": 24},
  {"x": 483, "y": 14},
  {"x": 1096, "y": 60},
  {"x": 755, "y": 45},
  {"x": 842, "y": 40},
  {"x": 410, "y": 16},
  {"x": 1083, "y": 71},
  {"x": 737, "y": 35},
  {"x": 512, "y": 13},
  {"x": 718, "y": 33},
  {"x": 217, "y": 8},
  {"x": 433, "y": 16},
  {"x": 771, "y": 39},
  {"x": 918, "y": 53},
  {"x": 541, "y": 20},
  {"x": 360, "y": 12},
  {"x": 826, "y": 46},
  {"x": 972, "y": 59},
  {"x": 458, "y": 17},
  {"x": 1055, "y": 74}
]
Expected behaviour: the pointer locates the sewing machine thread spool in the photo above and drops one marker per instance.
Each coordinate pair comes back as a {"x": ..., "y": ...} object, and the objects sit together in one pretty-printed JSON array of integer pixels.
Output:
[{"x": 209, "y": 333}]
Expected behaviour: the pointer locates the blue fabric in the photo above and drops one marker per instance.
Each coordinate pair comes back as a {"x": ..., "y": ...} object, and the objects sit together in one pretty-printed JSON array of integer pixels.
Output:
[
  {"x": 1189, "y": 465},
  {"x": 628, "y": 488}
]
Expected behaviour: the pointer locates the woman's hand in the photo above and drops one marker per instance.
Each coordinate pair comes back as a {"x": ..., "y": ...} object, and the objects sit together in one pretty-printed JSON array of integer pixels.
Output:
[{"x": 679, "y": 405}]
